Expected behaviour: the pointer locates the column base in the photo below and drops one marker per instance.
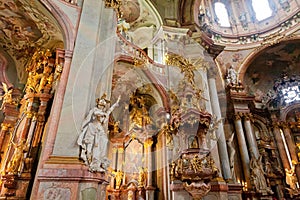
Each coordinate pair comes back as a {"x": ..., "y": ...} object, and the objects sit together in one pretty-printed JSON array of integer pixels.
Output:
[
  {"x": 235, "y": 191},
  {"x": 70, "y": 179},
  {"x": 219, "y": 190}
]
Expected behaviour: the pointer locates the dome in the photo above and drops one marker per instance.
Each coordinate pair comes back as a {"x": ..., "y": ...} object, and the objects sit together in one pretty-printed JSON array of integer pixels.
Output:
[{"x": 249, "y": 22}]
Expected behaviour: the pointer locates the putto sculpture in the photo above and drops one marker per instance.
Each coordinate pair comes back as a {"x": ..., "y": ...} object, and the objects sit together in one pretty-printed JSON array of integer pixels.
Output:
[{"x": 93, "y": 137}]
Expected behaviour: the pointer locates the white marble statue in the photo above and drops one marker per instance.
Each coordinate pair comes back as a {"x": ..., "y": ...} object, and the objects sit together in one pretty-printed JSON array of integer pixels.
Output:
[
  {"x": 93, "y": 137},
  {"x": 231, "y": 77},
  {"x": 231, "y": 152}
]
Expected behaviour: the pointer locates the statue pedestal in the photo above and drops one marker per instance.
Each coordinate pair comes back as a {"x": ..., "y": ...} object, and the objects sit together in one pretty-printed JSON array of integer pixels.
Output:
[
  {"x": 150, "y": 192},
  {"x": 218, "y": 190},
  {"x": 235, "y": 191},
  {"x": 178, "y": 191}
]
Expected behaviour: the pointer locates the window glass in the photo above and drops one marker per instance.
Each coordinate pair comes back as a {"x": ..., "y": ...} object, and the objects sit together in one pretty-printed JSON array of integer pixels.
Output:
[
  {"x": 222, "y": 14},
  {"x": 262, "y": 9}
]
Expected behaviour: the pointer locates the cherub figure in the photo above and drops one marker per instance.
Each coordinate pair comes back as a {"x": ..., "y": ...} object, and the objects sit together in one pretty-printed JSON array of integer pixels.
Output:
[{"x": 7, "y": 96}]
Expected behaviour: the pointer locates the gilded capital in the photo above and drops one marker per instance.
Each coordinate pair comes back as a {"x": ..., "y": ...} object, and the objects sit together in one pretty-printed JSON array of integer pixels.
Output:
[
  {"x": 148, "y": 143},
  {"x": 5, "y": 126},
  {"x": 285, "y": 125},
  {"x": 248, "y": 116},
  {"x": 121, "y": 150},
  {"x": 237, "y": 116},
  {"x": 114, "y": 150}
]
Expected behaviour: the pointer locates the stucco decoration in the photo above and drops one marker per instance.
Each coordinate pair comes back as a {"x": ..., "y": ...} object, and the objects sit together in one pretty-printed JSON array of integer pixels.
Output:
[
  {"x": 267, "y": 67},
  {"x": 24, "y": 27},
  {"x": 144, "y": 22}
]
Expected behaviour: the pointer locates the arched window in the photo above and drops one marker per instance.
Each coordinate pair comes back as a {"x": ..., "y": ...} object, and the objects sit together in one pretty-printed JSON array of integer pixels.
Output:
[
  {"x": 222, "y": 14},
  {"x": 262, "y": 9}
]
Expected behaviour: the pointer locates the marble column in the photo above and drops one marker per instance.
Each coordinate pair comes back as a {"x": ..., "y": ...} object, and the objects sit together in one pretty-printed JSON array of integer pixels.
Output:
[
  {"x": 149, "y": 188},
  {"x": 250, "y": 136},
  {"x": 209, "y": 143},
  {"x": 291, "y": 146},
  {"x": 242, "y": 147},
  {"x": 280, "y": 145},
  {"x": 114, "y": 158},
  {"x": 148, "y": 144},
  {"x": 222, "y": 146},
  {"x": 290, "y": 142},
  {"x": 120, "y": 158},
  {"x": 165, "y": 164}
]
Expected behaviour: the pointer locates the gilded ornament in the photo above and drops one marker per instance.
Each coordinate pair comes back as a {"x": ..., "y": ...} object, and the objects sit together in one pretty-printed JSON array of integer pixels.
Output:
[
  {"x": 116, "y": 5},
  {"x": 43, "y": 76},
  {"x": 186, "y": 67},
  {"x": 7, "y": 96},
  {"x": 139, "y": 115},
  {"x": 197, "y": 164},
  {"x": 148, "y": 143},
  {"x": 121, "y": 150},
  {"x": 19, "y": 150},
  {"x": 142, "y": 177},
  {"x": 118, "y": 175},
  {"x": 5, "y": 126}
]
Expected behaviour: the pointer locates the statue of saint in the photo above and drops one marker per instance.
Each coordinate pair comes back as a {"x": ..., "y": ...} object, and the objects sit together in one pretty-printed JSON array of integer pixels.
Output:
[
  {"x": 231, "y": 78},
  {"x": 258, "y": 175},
  {"x": 15, "y": 163},
  {"x": 93, "y": 138}
]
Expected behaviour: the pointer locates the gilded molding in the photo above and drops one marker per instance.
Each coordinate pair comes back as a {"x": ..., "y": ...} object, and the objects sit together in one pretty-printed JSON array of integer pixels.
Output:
[
  {"x": 5, "y": 126},
  {"x": 186, "y": 67}
]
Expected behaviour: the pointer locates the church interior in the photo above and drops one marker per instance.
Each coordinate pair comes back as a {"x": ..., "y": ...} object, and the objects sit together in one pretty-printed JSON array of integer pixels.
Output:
[{"x": 150, "y": 99}]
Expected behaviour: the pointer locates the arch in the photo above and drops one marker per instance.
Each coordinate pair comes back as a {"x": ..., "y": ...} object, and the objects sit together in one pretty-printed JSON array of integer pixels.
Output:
[
  {"x": 284, "y": 113},
  {"x": 3, "y": 67},
  {"x": 254, "y": 54},
  {"x": 261, "y": 124},
  {"x": 64, "y": 23}
]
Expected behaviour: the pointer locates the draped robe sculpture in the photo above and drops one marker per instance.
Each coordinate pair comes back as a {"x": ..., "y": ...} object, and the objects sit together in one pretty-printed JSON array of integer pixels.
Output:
[{"x": 93, "y": 137}]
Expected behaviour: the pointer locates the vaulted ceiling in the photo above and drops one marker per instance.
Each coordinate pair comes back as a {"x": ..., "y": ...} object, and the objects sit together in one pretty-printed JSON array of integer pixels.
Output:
[{"x": 26, "y": 26}]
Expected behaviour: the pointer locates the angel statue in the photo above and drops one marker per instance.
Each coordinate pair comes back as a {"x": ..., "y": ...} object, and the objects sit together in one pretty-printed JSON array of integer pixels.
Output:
[
  {"x": 93, "y": 137},
  {"x": 7, "y": 96}
]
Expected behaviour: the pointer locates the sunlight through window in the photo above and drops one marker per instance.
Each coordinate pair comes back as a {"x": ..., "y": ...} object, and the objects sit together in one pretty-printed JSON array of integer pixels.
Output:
[
  {"x": 222, "y": 14},
  {"x": 262, "y": 9}
]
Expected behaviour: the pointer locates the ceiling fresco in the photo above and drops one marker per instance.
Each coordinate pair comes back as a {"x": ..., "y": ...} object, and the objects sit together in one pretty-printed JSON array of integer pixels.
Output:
[
  {"x": 24, "y": 27},
  {"x": 270, "y": 65}
]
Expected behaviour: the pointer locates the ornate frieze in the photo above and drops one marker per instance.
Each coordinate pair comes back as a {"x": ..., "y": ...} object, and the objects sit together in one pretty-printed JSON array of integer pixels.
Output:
[{"x": 195, "y": 171}]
